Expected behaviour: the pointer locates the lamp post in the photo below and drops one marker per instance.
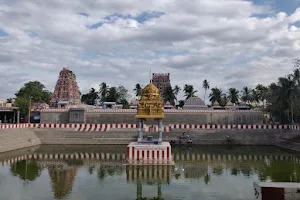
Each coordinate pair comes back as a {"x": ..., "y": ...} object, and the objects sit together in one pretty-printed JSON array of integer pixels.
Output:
[{"x": 29, "y": 109}]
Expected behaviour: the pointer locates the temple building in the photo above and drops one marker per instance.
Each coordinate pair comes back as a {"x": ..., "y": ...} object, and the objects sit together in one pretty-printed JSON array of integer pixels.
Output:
[
  {"x": 168, "y": 105},
  {"x": 194, "y": 103},
  {"x": 133, "y": 103},
  {"x": 66, "y": 91},
  {"x": 161, "y": 81}
]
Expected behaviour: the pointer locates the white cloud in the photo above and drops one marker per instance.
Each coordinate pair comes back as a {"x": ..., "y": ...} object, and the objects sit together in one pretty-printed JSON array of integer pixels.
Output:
[{"x": 222, "y": 41}]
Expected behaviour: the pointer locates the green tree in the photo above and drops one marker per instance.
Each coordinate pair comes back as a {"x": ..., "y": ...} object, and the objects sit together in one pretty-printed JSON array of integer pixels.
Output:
[
  {"x": 206, "y": 86},
  {"x": 262, "y": 92},
  {"x": 176, "y": 91},
  {"x": 112, "y": 95},
  {"x": 138, "y": 90},
  {"x": 255, "y": 96},
  {"x": 34, "y": 90},
  {"x": 104, "y": 89},
  {"x": 169, "y": 95},
  {"x": 189, "y": 91},
  {"x": 123, "y": 93},
  {"x": 181, "y": 103},
  {"x": 233, "y": 95},
  {"x": 90, "y": 98},
  {"x": 247, "y": 95},
  {"x": 215, "y": 95},
  {"x": 26, "y": 170},
  {"x": 223, "y": 100}
]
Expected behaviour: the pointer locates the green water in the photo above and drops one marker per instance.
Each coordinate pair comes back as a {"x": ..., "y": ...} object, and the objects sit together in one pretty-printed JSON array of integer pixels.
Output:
[{"x": 199, "y": 173}]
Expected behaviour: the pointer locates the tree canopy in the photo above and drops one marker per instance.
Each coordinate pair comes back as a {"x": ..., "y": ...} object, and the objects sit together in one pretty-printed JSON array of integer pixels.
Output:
[
  {"x": 117, "y": 94},
  {"x": 34, "y": 90}
]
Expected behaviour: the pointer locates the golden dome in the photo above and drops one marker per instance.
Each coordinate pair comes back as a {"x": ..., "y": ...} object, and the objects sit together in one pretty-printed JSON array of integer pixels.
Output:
[
  {"x": 150, "y": 89},
  {"x": 150, "y": 105}
]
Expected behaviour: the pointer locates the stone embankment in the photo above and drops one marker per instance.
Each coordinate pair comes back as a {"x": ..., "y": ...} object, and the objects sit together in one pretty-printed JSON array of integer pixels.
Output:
[
  {"x": 27, "y": 135},
  {"x": 17, "y": 138},
  {"x": 292, "y": 143}
]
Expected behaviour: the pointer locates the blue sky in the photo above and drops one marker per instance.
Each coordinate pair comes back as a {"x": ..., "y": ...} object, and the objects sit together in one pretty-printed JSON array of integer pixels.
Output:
[
  {"x": 232, "y": 43},
  {"x": 287, "y": 6}
]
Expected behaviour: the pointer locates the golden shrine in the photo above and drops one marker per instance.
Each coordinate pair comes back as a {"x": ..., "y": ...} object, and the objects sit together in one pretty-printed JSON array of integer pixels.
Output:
[
  {"x": 150, "y": 105},
  {"x": 149, "y": 151}
]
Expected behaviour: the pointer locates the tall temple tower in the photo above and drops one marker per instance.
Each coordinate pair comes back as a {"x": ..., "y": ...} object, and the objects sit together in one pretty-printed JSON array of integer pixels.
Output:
[
  {"x": 66, "y": 89},
  {"x": 161, "y": 81}
]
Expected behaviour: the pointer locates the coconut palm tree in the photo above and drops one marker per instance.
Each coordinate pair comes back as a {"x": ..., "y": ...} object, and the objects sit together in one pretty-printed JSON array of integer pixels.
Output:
[
  {"x": 215, "y": 95},
  {"x": 223, "y": 100},
  {"x": 176, "y": 90},
  {"x": 138, "y": 90},
  {"x": 247, "y": 95},
  {"x": 260, "y": 94},
  {"x": 233, "y": 95},
  {"x": 104, "y": 89},
  {"x": 189, "y": 91},
  {"x": 113, "y": 95},
  {"x": 206, "y": 86},
  {"x": 168, "y": 95}
]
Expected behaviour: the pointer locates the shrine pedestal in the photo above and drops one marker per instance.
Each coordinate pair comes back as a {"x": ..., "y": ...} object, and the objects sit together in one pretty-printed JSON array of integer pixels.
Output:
[
  {"x": 276, "y": 191},
  {"x": 151, "y": 154}
]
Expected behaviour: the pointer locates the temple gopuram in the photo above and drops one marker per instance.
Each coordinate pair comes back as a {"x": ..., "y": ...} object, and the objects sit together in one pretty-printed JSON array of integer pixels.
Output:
[{"x": 66, "y": 91}]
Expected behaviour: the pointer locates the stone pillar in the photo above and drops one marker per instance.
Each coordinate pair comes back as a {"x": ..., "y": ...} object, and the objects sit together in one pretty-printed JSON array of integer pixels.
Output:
[
  {"x": 160, "y": 129},
  {"x": 140, "y": 130},
  {"x": 18, "y": 117}
]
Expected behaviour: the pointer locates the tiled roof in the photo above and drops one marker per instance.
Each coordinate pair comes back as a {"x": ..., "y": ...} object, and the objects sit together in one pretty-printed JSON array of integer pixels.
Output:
[
  {"x": 194, "y": 101},
  {"x": 229, "y": 104},
  {"x": 216, "y": 103}
]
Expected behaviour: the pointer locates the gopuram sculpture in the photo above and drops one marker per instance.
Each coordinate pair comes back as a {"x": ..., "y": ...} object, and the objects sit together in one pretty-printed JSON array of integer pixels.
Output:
[{"x": 150, "y": 106}]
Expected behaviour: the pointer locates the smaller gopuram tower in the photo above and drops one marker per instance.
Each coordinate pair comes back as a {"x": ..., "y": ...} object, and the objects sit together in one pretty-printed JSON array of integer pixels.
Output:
[{"x": 149, "y": 151}]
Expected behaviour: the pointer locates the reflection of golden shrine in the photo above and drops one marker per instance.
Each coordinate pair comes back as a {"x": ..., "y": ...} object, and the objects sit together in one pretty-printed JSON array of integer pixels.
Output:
[
  {"x": 149, "y": 175},
  {"x": 150, "y": 105}
]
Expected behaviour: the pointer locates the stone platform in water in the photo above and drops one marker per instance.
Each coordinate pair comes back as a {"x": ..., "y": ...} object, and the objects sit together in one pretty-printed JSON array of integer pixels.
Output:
[
  {"x": 276, "y": 191},
  {"x": 139, "y": 153}
]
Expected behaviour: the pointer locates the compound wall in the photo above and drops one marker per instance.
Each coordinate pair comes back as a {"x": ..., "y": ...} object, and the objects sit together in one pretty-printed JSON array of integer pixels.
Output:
[
  {"x": 171, "y": 117},
  {"x": 55, "y": 116}
]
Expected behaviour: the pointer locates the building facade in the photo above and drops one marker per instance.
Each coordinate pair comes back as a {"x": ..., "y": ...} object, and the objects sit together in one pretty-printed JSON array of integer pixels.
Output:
[
  {"x": 66, "y": 89},
  {"x": 161, "y": 81}
]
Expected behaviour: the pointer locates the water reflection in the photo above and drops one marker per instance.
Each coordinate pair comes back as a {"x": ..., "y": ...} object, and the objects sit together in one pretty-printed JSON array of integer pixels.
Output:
[
  {"x": 209, "y": 171},
  {"x": 149, "y": 175},
  {"x": 62, "y": 179},
  {"x": 26, "y": 170}
]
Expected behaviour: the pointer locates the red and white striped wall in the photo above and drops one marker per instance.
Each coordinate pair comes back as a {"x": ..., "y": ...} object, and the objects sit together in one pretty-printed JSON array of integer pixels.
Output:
[
  {"x": 155, "y": 128},
  {"x": 137, "y": 151},
  {"x": 148, "y": 128},
  {"x": 165, "y": 110},
  {"x": 61, "y": 156},
  {"x": 6, "y": 126},
  {"x": 229, "y": 126}
]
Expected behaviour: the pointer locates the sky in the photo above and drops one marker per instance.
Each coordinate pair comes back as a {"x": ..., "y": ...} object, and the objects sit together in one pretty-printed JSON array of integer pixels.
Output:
[{"x": 231, "y": 43}]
